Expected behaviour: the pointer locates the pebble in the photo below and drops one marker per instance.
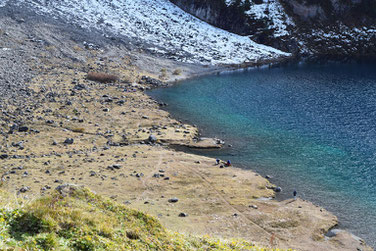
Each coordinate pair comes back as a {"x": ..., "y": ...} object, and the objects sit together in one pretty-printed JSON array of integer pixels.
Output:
[
  {"x": 24, "y": 189},
  {"x": 68, "y": 141},
  {"x": 23, "y": 129},
  {"x": 152, "y": 139},
  {"x": 278, "y": 189},
  {"x": 183, "y": 215},
  {"x": 173, "y": 200}
]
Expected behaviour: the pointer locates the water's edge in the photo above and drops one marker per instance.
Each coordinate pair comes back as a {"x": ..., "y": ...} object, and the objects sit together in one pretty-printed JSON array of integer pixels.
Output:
[{"x": 205, "y": 132}]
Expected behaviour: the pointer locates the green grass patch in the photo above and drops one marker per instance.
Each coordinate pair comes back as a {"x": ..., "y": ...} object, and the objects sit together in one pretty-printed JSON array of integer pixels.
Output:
[{"x": 78, "y": 219}]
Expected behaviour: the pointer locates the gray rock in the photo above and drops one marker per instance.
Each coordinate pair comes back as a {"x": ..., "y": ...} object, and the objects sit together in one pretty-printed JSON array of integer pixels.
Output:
[
  {"x": 66, "y": 189},
  {"x": 183, "y": 215},
  {"x": 117, "y": 166},
  {"x": 69, "y": 141},
  {"x": 278, "y": 189},
  {"x": 4, "y": 156},
  {"x": 23, "y": 129},
  {"x": 24, "y": 189},
  {"x": 173, "y": 200}
]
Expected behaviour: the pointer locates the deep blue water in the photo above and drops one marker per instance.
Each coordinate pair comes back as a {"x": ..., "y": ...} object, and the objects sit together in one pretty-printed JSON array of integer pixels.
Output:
[{"x": 311, "y": 127}]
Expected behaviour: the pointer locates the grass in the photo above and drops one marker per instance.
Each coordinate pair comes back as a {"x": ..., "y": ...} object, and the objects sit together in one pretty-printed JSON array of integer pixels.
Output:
[
  {"x": 82, "y": 220},
  {"x": 163, "y": 74},
  {"x": 177, "y": 72},
  {"x": 78, "y": 130}
]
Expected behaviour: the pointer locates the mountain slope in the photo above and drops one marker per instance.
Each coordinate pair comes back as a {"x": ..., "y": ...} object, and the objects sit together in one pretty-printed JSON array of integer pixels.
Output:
[
  {"x": 337, "y": 28},
  {"x": 155, "y": 25}
]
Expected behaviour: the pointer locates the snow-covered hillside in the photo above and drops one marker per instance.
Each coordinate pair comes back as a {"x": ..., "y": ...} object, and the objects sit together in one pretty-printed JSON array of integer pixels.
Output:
[{"x": 158, "y": 26}]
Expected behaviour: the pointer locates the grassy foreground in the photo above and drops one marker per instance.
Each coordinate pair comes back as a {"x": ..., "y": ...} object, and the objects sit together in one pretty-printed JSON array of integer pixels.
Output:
[{"x": 74, "y": 218}]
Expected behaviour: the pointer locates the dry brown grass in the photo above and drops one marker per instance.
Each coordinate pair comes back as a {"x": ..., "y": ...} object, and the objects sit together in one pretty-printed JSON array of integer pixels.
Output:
[
  {"x": 78, "y": 130},
  {"x": 177, "y": 72},
  {"x": 101, "y": 77}
]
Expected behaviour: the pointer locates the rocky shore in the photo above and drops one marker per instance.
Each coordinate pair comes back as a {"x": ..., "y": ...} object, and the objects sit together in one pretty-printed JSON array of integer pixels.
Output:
[{"x": 57, "y": 127}]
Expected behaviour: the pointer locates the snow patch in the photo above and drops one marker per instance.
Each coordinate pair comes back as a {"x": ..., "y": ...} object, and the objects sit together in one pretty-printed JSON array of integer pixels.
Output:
[
  {"x": 3, "y": 3},
  {"x": 273, "y": 11}
]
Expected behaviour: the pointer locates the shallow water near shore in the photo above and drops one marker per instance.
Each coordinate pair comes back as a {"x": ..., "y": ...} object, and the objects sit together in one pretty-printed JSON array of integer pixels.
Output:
[{"x": 311, "y": 127}]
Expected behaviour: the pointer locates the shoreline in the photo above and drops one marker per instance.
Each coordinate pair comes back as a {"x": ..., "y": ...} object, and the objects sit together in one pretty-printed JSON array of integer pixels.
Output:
[{"x": 292, "y": 60}]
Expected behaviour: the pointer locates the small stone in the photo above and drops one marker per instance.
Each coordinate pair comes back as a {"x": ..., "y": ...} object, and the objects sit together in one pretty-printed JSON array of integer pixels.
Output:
[
  {"x": 253, "y": 206},
  {"x": 268, "y": 177},
  {"x": 23, "y": 129},
  {"x": 92, "y": 173},
  {"x": 116, "y": 166},
  {"x": 173, "y": 200},
  {"x": 278, "y": 189},
  {"x": 4, "y": 156},
  {"x": 68, "y": 141},
  {"x": 79, "y": 87},
  {"x": 152, "y": 139},
  {"x": 24, "y": 189},
  {"x": 183, "y": 215}
]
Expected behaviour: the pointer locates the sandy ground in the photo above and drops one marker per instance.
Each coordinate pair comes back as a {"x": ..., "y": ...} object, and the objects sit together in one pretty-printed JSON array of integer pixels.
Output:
[{"x": 110, "y": 125}]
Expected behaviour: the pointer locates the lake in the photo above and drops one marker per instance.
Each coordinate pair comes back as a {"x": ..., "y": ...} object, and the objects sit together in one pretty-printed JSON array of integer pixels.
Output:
[{"x": 311, "y": 127}]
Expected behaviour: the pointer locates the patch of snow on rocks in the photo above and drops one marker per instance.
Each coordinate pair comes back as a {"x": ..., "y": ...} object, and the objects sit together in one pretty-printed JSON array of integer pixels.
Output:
[
  {"x": 272, "y": 10},
  {"x": 3, "y": 3},
  {"x": 158, "y": 25}
]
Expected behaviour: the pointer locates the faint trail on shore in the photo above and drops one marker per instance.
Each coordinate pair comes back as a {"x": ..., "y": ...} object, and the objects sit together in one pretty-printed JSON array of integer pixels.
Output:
[
  {"x": 226, "y": 202},
  {"x": 155, "y": 170}
]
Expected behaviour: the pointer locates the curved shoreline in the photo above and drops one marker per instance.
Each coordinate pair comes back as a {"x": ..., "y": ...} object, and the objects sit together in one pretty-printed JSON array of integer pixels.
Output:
[{"x": 332, "y": 231}]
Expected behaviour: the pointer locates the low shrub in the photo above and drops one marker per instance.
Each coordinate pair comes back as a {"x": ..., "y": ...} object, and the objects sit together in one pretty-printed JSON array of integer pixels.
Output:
[
  {"x": 177, "y": 72},
  {"x": 101, "y": 77},
  {"x": 78, "y": 130}
]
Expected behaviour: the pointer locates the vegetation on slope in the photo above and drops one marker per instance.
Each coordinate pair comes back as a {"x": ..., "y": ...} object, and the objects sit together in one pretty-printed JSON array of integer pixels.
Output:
[{"x": 74, "y": 218}]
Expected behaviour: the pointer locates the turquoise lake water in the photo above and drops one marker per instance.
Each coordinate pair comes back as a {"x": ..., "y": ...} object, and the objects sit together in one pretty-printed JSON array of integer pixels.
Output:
[{"x": 311, "y": 127}]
